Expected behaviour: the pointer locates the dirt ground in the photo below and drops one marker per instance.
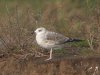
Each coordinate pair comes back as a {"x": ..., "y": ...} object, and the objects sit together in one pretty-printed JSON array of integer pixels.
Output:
[{"x": 75, "y": 65}]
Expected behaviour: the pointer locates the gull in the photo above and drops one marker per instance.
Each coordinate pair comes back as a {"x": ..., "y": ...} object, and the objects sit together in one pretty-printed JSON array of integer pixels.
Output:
[{"x": 51, "y": 40}]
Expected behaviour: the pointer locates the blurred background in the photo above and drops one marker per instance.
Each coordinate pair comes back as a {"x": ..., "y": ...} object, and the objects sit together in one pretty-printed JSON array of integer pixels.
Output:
[{"x": 72, "y": 18}]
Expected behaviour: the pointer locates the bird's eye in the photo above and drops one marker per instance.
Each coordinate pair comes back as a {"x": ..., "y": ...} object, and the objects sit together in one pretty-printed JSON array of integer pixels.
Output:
[{"x": 40, "y": 30}]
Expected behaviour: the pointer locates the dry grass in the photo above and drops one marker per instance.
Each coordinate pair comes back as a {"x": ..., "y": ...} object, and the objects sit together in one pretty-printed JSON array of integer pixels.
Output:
[{"x": 77, "y": 19}]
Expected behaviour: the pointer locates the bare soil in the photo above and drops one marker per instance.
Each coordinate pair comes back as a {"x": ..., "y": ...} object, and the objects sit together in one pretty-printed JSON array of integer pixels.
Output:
[{"x": 62, "y": 65}]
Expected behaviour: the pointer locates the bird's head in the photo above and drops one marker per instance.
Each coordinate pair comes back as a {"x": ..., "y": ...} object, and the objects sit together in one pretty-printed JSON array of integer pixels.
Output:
[{"x": 40, "y": 30}]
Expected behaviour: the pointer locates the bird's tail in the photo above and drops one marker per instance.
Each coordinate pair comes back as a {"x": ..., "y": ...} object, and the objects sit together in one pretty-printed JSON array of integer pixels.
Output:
[{"x": 73, "y": 40}]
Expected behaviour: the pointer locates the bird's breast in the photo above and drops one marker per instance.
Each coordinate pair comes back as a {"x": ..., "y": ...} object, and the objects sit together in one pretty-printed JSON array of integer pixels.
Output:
[
  {"x": 40, "y": 39},
  {"x": 43, "y": 42}
]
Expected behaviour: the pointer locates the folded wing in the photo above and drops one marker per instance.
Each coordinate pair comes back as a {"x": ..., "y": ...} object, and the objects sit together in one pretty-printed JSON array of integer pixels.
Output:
[{"x": 59, "y": 39}]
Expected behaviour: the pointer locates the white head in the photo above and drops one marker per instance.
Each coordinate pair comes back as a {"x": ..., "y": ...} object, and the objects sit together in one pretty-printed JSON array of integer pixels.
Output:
[{"x": 40, "y": 30}]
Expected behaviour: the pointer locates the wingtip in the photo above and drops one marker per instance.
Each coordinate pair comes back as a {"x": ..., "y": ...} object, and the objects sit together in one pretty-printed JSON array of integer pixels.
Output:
[{"x": 74, "y": 40}]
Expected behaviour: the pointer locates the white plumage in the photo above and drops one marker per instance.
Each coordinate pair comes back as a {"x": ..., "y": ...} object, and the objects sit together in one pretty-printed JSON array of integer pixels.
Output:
[{"x": 51, "y": 40}]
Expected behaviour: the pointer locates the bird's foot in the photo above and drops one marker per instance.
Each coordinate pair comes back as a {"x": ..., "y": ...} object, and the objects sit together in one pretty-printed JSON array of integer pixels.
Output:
[{"x": 48, "y": 59}]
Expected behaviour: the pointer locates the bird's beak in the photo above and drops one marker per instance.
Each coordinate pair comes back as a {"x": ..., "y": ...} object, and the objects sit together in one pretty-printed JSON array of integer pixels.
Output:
[{"x": 33, "y": 32}]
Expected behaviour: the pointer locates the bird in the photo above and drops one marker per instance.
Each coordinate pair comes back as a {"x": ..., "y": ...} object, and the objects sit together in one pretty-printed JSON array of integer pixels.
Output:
[{"x": 51, "y": 40}]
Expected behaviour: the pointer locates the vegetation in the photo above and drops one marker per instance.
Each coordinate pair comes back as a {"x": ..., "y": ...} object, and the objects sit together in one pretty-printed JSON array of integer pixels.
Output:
[{"x": 73, "y": 18}]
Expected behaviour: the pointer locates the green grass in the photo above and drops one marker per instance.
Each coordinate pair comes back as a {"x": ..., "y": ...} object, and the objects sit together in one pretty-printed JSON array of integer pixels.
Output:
[{"x": 80, "y": 44}]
